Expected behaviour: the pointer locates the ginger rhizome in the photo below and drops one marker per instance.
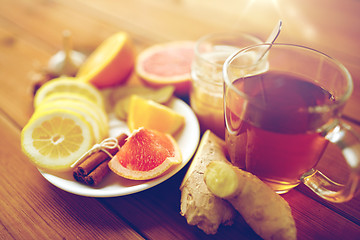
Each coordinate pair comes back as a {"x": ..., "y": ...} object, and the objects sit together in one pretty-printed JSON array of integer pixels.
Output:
[
  {"x": 266, "y": 212},
  {"x": 199, "y": 206}
]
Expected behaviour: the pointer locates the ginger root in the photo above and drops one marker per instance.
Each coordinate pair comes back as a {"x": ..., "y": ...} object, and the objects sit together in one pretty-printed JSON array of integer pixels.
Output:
[
  {"x": 198, "y": 205},
  {"x": 266, "y": 212}
]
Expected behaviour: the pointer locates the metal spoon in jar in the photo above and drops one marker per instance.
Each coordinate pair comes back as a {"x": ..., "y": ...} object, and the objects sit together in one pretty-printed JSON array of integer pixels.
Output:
[{"x": 270, "y": 40}]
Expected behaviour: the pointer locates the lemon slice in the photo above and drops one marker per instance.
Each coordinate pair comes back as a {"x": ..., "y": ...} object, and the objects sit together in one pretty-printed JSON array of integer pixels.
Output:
[
  {"x": 79, "y": 104},
  {"x": 65, "y": 96},
  {"x": 152, "y": 115},
  {"x": 76, "y": 99},
  {"x": 68, "y": 85},
  {"x": 55, "y": 139},
  {"x": 80, "y": 108}
]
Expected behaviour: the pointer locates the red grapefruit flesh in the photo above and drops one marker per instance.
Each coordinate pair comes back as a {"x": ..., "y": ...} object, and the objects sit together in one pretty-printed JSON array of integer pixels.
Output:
[
  {"x": 167, "y": 64},
  {"x": 145, "y": 155}
]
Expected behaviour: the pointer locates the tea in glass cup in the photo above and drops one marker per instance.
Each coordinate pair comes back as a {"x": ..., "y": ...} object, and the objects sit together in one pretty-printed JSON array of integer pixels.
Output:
[
  {"x": 206, "y": 95},
  {"x": 281, "y": 112}
]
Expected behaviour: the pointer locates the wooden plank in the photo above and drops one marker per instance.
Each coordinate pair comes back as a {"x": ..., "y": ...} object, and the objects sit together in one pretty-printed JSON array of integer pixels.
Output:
[
  {"x": 32, "y": 208},
  {"x": 182, "y": 22},
  {"x": 159, "y": 208},
  {"x": 315, "y": 221},
  {"x": 23, "y": 50},
  {"x": 16, "y": 62},
  {"x": 30, "y": 16},
  {"x": 161, "y": 205},
  {"x": 24, "y": 39},
  {"x": 89, "y": 29},
  {"x": 333, "y": 165},
  {"x": 185, "y": 21}
]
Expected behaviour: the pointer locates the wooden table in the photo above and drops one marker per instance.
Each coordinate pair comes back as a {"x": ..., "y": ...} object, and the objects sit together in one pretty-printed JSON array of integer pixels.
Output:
[{"x": 30, "y": 33}]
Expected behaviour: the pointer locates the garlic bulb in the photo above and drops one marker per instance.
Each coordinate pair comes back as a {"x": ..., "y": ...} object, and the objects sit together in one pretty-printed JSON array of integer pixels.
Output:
[{"x": 66, "y": 62}]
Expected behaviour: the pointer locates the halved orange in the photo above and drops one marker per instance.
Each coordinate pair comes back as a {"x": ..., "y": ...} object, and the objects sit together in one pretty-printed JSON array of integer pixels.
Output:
[
  {"x": 146, "y": 154},
  {"x": 111, "y": 63}
]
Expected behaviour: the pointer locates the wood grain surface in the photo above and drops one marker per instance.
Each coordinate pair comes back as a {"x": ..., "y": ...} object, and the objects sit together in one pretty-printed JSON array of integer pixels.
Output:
[{"x": 30, "y": 33}]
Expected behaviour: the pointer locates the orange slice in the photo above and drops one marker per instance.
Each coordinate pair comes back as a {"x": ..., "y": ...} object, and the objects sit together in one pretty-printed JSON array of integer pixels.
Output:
[
  {"x": 147, "y": 154},
  {"x": 111, "y": 63},
  {"x": 152, "y": 115},
  {"x": 121, "y": 97}
]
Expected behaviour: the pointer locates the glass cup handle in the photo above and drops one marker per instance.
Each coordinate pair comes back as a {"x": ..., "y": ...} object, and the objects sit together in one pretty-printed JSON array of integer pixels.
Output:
[{"x": 349, "y": 143}]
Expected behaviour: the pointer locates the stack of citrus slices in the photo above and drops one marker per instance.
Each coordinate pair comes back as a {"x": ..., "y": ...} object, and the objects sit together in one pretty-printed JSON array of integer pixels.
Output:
[{"x": 69, "y": 118}]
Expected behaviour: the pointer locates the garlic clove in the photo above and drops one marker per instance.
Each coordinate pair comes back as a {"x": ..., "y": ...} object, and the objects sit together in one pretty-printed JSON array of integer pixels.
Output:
[{"x": 67, "y": 61}]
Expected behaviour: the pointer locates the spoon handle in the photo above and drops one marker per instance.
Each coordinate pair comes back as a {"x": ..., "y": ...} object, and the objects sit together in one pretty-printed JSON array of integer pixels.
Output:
[
  {"x": 275, "y": 33},
  {"x": 271, "y": 39}
]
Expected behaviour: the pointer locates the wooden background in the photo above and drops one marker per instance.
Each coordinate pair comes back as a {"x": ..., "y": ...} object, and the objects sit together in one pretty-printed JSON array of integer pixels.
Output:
[{"x": 30, "y": 33}]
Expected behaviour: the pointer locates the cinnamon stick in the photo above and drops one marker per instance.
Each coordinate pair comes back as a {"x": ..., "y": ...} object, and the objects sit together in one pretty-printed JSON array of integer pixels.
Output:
[
  {"x": 98, "y": 174},
  {"x": 94, "y": 168},
  {"x": 78, "y": 177},
  {"x": 94, "y": 160}
]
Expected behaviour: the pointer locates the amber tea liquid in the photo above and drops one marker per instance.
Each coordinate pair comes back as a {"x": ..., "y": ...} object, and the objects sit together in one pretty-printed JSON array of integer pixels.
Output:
[{"x": 273, "y": 135}]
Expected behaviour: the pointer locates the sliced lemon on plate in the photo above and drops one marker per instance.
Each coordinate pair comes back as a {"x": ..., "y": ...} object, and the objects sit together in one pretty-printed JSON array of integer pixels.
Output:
[
  {"x": 55, "y": 139},
  {"x": 71, "y": 86},
  {"x": 76, "y": 100},
  {"x": 89, "y": 114}
]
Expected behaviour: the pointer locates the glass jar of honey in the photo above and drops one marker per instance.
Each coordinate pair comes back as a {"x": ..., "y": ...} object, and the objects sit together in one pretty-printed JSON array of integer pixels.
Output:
[{"x": 206, "y": 95}]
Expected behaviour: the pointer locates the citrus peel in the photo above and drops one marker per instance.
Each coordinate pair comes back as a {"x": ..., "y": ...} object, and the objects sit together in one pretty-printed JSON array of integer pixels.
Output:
[
  {"x": 68, "y": 119},
  {"x": 68, "y": 85},
  {"x": 111, "y": 63},
  {"x": 152, "y": 115},
  {"x": 167, "y": 64},
  {"x": 146, "y": 154},
  {"x": 55, "y": 138}
]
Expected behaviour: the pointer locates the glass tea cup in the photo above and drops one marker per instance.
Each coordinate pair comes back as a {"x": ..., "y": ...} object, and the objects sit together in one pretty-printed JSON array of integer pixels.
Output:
[
  {"x": 206, "y": 95},
  {"x": 282, "y": 111}
]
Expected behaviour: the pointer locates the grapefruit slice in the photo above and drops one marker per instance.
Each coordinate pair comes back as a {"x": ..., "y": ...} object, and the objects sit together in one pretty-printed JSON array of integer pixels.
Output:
[
  {"x": 167, "y": 64},
  {"x": 111, "y": 63},
  {"x": 146, "y": 154}
]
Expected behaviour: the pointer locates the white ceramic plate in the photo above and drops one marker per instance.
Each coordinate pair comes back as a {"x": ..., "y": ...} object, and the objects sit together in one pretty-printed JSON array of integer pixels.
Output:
[{"x": 112, "y": 186}]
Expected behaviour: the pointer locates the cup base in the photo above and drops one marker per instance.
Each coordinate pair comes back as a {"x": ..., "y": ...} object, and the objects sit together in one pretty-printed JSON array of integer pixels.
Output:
[{"x": 280, "y": 187}]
